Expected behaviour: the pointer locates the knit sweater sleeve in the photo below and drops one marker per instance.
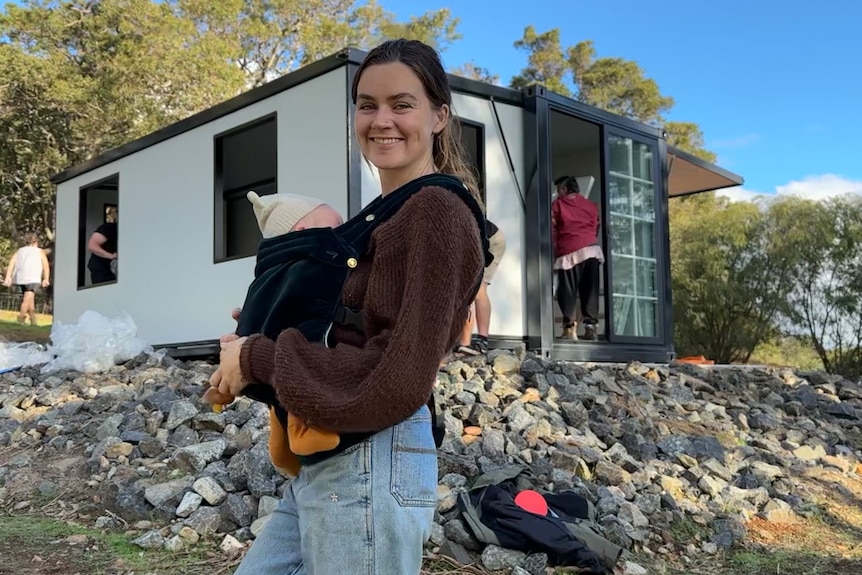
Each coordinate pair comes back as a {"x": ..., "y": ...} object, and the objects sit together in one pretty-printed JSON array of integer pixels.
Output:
[{"x": 434, "y": 239}]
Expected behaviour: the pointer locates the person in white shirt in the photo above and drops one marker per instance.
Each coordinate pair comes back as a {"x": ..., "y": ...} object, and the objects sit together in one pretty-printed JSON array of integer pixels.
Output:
[{"x": 29, "y": 271}]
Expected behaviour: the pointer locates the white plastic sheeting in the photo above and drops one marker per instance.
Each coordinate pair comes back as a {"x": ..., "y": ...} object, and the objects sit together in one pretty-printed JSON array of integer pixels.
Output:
[{"x": 95, "y": 343}]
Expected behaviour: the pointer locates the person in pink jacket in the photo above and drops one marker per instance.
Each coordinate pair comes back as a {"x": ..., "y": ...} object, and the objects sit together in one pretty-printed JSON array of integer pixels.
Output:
[{"x": 578, "y": 255}]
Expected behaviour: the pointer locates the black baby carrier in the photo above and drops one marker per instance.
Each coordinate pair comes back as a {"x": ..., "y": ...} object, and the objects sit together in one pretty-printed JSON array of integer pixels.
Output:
[{"x": 300, "y": 276}]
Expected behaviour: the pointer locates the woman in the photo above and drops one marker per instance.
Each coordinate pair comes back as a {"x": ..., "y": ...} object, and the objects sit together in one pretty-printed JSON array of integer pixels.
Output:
[
  {"x": 368, "y": 506},
  {"x": 578, "y": 253}
]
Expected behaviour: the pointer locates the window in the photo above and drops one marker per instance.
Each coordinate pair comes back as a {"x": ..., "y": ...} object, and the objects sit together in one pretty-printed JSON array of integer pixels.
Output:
[
  {"x": 473, "y": 141},
  {"x": 245, "y": 160},
  {"x": 632, "y": 239},
  {"x": 98, "y": 211}
]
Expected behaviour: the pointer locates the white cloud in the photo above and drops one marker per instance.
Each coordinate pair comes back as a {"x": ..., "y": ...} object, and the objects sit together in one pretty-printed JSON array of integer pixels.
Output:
[
  {"x": 817, "y": 188},
  {"x": 738, "y": 194}
]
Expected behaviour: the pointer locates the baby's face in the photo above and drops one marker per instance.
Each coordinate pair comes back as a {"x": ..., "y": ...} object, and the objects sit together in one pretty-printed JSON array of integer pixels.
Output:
[{"x": 320, "y": 217}]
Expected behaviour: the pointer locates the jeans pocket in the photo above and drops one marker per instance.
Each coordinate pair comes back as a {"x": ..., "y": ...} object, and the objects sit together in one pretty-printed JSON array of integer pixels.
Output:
[{"x": 413, "y": 481}]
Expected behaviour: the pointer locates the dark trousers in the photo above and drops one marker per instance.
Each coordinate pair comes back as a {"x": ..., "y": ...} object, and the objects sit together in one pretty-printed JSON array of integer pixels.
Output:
[
  {"x": 102, "y": 276},
  {"x": 582, "y": 280}
]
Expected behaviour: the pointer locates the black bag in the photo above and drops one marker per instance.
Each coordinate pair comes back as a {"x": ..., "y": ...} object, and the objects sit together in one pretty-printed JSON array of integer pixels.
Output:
[{"x": 569, "y": 534}]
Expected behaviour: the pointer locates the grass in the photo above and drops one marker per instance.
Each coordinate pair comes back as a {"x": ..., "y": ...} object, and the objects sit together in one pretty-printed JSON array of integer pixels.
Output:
[
  {"x": 11, "y": 330},
  {"x": 48, "y": 546},
  {"x": 770, "y": 562},
  {"x": 687, "y": 531},
  {"x": 762, "y": 561}
]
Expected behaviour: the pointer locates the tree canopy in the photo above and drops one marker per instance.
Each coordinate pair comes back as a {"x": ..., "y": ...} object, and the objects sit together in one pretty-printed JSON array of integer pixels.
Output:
[
  {"x": 78, "y": 77},
  {"x": 614, "y": 84}
]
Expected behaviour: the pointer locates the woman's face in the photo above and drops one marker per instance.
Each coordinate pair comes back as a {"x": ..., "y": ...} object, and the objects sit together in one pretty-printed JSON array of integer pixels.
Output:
[{"x": 395, "y": 120}]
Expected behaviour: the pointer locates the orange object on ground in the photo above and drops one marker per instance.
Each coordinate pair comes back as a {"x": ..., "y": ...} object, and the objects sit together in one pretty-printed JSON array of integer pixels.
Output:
[
  {"x": 696, "y": 359},
  {"x": 532, "y": 501}
]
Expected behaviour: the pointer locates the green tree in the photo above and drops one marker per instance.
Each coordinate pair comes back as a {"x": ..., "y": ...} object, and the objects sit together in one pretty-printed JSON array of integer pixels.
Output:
[
  {"x": 33, "y": 129},
  {"x": 474, "y": 72},
  {"x": 78, "y": 77},
  {"x": 616, "y": 84},
  {"x": 613, "y": 84},
  {"x": 824, "y": 241},
  {"x": 546, "y": 63},
  {"x": 788, "y": 351},
  {"x": 688, "y": 137},
  {"x": 730, "y": 278},
  {"x": 274, "y": 37}
]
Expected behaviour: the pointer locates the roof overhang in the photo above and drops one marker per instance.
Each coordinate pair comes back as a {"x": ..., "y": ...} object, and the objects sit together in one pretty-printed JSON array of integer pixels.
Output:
[{"x": 688, "y": 174}]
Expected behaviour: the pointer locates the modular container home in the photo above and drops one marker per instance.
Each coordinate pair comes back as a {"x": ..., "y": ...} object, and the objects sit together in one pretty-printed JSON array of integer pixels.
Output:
[{"x": 187, "y": 235}]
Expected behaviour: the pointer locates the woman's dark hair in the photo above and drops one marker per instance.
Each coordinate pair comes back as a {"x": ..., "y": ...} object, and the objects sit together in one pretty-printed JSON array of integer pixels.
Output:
[
  {"x": 569, "y": 184},
  {"x": 30, "y": 238},
  {"x": 449, "y": 155}
]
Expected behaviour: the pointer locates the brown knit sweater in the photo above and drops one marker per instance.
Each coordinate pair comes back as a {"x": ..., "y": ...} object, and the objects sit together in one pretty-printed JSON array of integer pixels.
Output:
[{"x": 414, "y": 288}]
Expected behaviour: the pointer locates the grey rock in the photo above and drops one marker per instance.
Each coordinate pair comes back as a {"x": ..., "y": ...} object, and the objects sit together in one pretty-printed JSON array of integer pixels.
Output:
[
  {"x": 204, "y": 520},
  {"x": 498, "y": 558},
  {"x": 238, "y": 509},
  {"x": 535, "y": 563},
  {"x": 457, "y": 532},
  {"x": 456, "y": 551},
  {"x": 110, "y": 427},
  {"x": 189, "y": 503},
  {"x": 131, "y": 501},
  {"x": 167, "y": 495},
  {"x": 210, "y": 490},
  {"x": 624, "y": 437},
  {"x": 699, "y": 447},
  {"x": 194, "y": 458},
  {"x": 150, "y": 540}
]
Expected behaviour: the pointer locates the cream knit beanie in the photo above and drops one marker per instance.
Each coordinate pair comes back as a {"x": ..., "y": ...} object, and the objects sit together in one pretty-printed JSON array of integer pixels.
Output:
[{"x": 278, "y": 213}]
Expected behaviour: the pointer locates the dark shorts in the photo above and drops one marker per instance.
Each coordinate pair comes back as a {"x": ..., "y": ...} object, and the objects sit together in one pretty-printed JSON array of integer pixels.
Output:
[
  {"x": 35, "y": 288},
  {"x": 101, "y": 276}
]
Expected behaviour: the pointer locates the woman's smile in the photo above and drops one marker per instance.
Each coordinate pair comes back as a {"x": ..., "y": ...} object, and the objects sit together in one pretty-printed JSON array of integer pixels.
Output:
[{"x": 386, "y": 142}]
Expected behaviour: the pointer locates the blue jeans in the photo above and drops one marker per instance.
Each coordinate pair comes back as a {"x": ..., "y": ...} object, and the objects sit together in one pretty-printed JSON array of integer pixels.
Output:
[{"x": 366, "y": 511}]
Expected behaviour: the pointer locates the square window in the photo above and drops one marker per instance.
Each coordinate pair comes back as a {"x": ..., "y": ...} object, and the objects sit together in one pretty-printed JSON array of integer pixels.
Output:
[
  {"x": 98, "y": 224},
  {"x": 246, "y": 159}
]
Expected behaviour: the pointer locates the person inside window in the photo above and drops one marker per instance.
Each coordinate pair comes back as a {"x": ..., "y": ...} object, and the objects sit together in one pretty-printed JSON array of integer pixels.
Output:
[
  {"x": 578, "y": 253},
  {"x": 103, "y": 251},
  {"x": 29, "y": 271}
]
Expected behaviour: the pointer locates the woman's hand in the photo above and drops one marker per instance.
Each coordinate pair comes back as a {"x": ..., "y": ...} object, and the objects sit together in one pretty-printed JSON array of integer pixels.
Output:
[
  {"x": 228, "y": 378},
  {"x": 231, "y": 336},
  {"x": 213, "y": 397}
]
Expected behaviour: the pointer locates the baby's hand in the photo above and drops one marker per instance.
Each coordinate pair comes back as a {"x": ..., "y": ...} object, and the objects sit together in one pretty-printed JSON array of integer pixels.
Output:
[{"x": 212, "y": 396}]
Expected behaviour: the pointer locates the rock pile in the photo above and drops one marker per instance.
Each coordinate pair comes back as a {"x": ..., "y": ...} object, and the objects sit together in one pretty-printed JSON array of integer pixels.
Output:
[{"x": 655, "y": 448}]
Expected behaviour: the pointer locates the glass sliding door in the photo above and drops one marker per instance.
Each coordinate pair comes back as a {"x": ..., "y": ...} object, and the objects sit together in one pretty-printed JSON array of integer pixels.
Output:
[{"x": 632, "y": 183}]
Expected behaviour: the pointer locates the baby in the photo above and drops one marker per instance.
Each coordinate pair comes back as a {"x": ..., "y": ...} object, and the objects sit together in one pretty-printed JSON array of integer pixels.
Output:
[{"x": 279, "y": 214}]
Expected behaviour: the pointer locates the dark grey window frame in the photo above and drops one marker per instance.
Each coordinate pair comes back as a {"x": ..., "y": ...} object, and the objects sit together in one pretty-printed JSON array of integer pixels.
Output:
[
  {"x": 84, "y": 234},
  {"x": 221, "y": 196},
  {"x": 481, "y": 160}
]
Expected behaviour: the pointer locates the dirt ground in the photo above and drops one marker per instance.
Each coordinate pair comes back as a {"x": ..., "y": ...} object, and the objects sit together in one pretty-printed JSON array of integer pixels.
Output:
[{"x": 825, "y": 540}]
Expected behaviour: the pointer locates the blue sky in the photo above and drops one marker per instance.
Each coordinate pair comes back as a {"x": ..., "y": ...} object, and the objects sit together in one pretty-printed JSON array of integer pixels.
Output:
[{"x": 774, "y": 85}]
